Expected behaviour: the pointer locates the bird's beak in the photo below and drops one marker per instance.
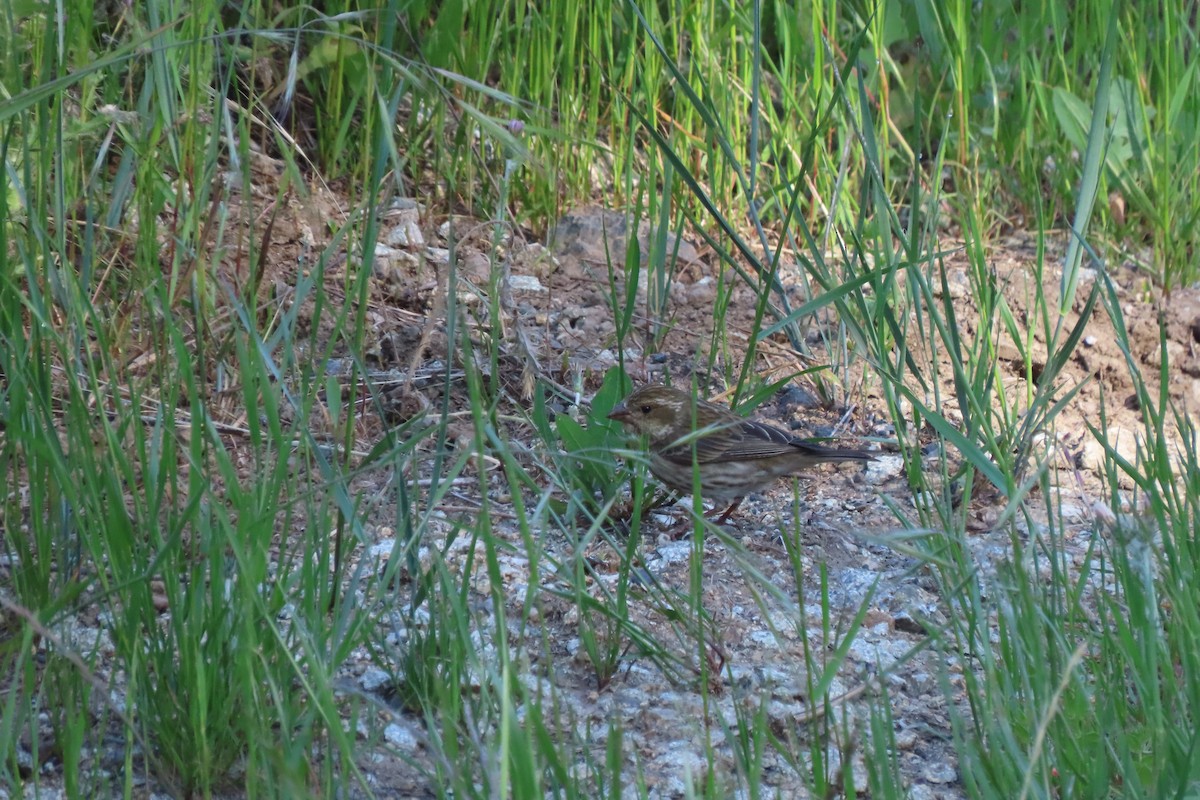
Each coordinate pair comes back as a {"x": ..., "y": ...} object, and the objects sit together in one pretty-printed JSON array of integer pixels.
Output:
[{"x": 619, "y": 412}]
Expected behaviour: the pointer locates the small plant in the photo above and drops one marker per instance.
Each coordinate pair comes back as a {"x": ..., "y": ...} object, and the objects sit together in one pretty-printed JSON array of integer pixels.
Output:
[{"x": 586, "y": 450}]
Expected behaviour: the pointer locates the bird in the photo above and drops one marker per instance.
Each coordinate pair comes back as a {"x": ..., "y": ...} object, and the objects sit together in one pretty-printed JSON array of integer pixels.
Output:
[{"x": 734, "y": 455}]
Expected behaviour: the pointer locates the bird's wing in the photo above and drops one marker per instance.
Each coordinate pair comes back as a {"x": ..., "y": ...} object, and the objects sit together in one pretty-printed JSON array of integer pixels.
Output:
[
  {"x": 741, "y": 439},
  {"x": 746, "y": 439},
  {"x": 765, "y": 441}
]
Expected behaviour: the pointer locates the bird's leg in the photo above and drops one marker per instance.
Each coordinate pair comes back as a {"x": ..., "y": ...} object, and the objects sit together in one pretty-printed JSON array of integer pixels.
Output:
[
  {"x": 729, "y": 511},
  {"x": 679, "y": 529}
]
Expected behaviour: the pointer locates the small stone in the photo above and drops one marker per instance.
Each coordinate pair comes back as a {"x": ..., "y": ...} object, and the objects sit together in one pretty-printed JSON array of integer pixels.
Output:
[
  {"x": 406, "y": 233},
  {"x": 920, "y": 791},
  {"x": 526, "y": 283},
  {"x": 793, "y": 397},
  {"x": 382, "y": 550},
  {"x": 382, "y": 251},
  {"x": 406, "y": 204},
  {"x": 957, "y": 284},
  {"x": 401, "y": 737},
  {"x": 373, "y": 678},
  {"x": 476, "y": 267},
  {"x": 883, "y": 468},
  {"x": 703, "y": 291},
  {"x": 939, "y": 773},
  {"x": 1175, "y": 355}
]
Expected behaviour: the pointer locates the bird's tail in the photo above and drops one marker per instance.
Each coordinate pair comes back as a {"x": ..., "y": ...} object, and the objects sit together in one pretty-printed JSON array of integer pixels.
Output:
[{"x": 825, "y": 453}]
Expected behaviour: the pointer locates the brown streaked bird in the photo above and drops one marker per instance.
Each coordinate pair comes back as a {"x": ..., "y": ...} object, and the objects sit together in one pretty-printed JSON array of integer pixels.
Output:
[{"x": 734, "y": 455}]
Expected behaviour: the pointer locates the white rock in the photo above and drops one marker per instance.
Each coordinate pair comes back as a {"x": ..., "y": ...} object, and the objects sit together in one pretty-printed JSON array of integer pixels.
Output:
[
  {"x": 401, "y": 737},
  {"x": 437, "y": 255},
  {"x": 406, "y": 234},
  {"x": 526, "y": 283},
  {"x": 373, "y": 678}
]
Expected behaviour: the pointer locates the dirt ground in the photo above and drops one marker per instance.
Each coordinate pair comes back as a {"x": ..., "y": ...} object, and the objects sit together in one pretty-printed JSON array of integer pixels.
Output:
[
  {"x": 559, "y": 328},
  {"x": 556, "y": 301}
]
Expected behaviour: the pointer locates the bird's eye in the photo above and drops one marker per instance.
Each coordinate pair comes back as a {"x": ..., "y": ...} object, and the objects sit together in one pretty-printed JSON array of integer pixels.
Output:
[{"x": 646, "y": 409}]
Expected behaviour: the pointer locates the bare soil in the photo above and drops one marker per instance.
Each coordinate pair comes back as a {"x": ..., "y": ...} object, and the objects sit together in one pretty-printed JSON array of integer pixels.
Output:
[{"x": 556, "y": 302}]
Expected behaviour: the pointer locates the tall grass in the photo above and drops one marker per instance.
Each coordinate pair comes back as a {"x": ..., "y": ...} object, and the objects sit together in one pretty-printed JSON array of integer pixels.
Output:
[{"x": 183, "y": 466}]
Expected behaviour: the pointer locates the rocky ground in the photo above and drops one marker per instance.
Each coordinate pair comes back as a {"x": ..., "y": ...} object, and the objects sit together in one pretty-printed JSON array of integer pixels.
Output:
[
  {"x": 557, "y": 298},
  {"x": 559, "y": 329}
]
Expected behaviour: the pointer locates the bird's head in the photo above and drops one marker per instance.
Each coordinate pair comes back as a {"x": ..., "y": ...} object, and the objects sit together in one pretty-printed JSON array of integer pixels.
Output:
[{"x": 657, "y": 411}]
